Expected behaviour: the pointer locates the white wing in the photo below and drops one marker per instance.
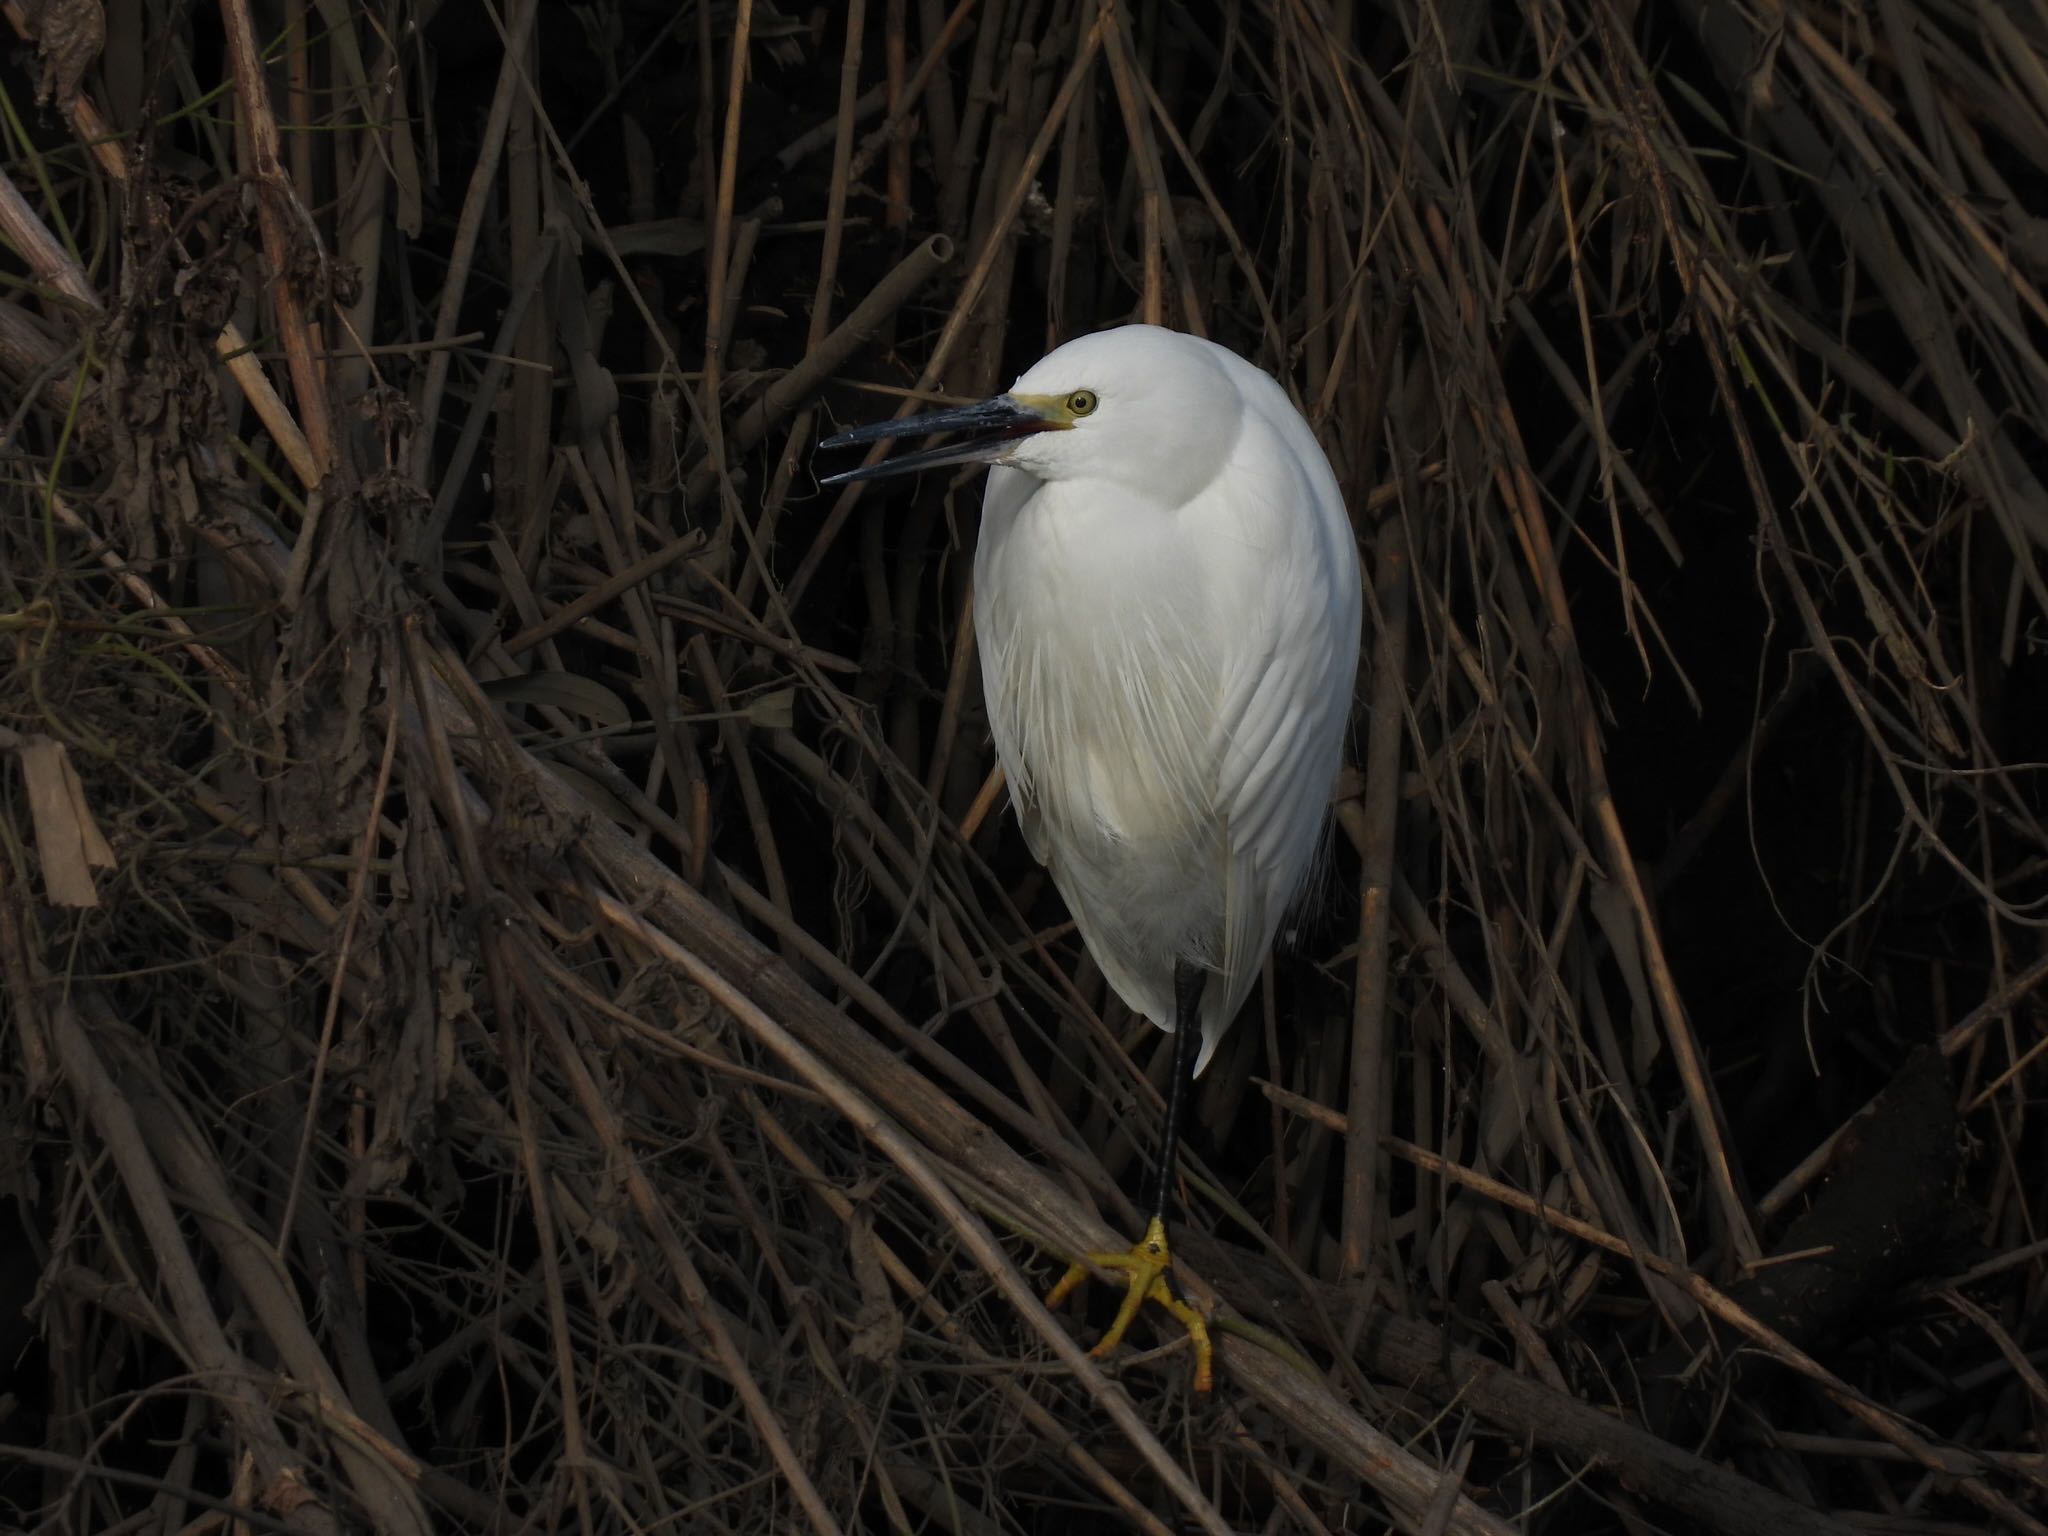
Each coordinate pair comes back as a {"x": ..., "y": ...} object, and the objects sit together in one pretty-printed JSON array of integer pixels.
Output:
[
  {"x": 1281, "y": 721},
  {"x": 1283, "y": 732}
]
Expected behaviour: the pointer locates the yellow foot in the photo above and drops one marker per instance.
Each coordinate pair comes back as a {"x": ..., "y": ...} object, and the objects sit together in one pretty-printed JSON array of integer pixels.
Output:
[{"x": 1146, "y": 1264}]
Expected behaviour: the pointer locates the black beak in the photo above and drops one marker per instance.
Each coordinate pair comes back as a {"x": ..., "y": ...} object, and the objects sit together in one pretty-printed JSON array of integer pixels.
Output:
[{"x": 989, "y": 428}]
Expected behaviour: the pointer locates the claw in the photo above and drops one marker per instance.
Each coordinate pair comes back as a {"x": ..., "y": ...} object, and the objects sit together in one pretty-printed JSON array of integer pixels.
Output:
[{"x": 1146, "y": 1267}]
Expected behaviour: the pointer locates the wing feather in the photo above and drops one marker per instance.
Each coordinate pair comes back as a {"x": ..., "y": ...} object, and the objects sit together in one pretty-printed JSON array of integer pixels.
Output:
[{"x": 1280, "y": 732}]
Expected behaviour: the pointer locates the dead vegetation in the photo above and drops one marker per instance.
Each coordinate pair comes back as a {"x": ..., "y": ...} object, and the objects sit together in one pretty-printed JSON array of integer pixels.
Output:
[{"x": 521, "y": 1010}]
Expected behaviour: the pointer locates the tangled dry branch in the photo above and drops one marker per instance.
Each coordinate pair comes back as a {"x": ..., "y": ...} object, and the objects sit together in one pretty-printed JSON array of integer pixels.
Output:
[{"x": 523, "y": 1005}]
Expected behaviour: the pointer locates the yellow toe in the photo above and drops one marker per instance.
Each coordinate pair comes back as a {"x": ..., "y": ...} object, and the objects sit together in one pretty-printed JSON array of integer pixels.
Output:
[{"x": 1145, "y": 1269}]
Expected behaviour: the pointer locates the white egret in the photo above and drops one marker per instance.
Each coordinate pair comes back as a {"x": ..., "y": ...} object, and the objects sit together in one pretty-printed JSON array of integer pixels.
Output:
[{"x": 1167, "y": 603}]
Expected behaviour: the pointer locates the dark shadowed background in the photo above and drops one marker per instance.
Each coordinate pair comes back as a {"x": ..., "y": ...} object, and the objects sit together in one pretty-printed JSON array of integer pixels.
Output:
[{"x": 521, "y": 1006}]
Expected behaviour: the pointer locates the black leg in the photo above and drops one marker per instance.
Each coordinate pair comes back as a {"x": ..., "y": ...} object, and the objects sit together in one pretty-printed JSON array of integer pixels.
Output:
[
  {"x": 1187, "y": 1046},
  {"x": 1145, "y": 1266}
]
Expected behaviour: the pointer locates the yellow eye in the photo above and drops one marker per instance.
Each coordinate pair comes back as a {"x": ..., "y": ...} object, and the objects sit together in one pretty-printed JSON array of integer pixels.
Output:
[{"x": 1081, "y": 402}]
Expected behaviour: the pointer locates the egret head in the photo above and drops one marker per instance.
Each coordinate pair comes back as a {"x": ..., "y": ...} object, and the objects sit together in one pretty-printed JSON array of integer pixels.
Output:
[{"x": 1140, "y": 407}]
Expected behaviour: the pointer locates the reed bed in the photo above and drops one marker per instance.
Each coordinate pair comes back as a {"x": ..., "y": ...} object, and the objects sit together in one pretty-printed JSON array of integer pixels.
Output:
[{"x": 525, "y": 1008}]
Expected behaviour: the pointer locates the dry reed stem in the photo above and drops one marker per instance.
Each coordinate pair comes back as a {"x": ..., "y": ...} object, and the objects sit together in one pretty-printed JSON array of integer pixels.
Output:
[{"x": 537, "y": 1219}]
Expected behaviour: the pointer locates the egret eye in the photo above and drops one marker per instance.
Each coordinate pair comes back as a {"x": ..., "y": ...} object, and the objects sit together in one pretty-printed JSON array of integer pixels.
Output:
[{"x": 1081, "y": 402}]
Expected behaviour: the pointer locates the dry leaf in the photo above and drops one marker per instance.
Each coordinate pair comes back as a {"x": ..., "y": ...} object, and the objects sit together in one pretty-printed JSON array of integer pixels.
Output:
[
  {"x": 69, "y": 35},
  {"x": 68, "y": 840},
  {"x": 877, "y": 1326}
]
